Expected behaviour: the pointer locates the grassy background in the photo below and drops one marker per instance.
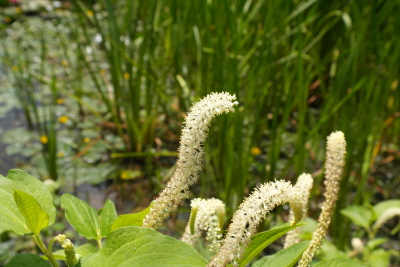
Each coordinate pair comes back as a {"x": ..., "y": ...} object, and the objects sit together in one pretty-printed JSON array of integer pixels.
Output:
[{"x": 300, "y": 70}]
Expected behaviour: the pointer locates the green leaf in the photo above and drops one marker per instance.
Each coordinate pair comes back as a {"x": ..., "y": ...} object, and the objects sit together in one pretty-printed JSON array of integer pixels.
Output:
[
  {"x": 86, "y": 220},
  {"x": 262, "y": 240},
  {"x": 379, "y": 257},
  {"x": 287, "y": 257},
  {"x": 141, "y": 247},
  {"x": 10, "y": 216},
  {"x": 330, "y": 251},
  {"x": 339, "y": 263},
  {"x": 384, "y": 205},
  {"x": 308, "y": 229},
  {"x": 373, "y": 243},
  {"x": 385, "y": 216},
  {"x": 135, "y": 219},
  {"x": 82, "y": 217},
  {"x": 34, "y": 187},
  {"x": 86, "y": 249},
  {"x": 107, "y": 216},
  {"x": 359, "y": 215},
  {"x": 27, "y": 260},
  {"x": 35, "y": 217}
]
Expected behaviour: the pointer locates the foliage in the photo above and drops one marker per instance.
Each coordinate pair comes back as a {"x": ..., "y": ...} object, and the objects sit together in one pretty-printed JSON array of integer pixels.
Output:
[
  {"x": 86, "y": 220},
  {"x": 365, "y": 217},
  {"x": 29, "y": 204},
  {"x": 262, "y": 240},
  {"x": 128, "y": 70},
  {"x": 339, "y": 263},
  {"x": 287, "y": 257},
  {"x": 134, "y": 246},
  {"x": 142, "y": 244},
  {"x": 128, "y": 245}
]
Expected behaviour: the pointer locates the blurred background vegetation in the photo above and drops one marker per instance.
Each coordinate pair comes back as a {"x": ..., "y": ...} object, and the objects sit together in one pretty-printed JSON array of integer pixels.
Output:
[{"x": 95, "y": 92}]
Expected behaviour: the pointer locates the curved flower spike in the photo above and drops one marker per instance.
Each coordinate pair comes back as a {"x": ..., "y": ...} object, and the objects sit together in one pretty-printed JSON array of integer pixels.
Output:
[
  {"x": 335, "y": 159},
  {"x": 303, "y": 185},
  {"x": 250, "y": 214},
  {"x": 190, "y": 155}
]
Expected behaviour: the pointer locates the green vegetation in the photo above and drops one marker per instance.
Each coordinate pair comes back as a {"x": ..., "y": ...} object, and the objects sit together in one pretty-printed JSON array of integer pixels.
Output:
[{"x": 104, "y": 88}]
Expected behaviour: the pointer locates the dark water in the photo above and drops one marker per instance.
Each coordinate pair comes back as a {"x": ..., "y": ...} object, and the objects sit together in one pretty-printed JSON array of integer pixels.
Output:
[
  {"x": 11, "y": 120},
  {"x": 95, "y": 195}
]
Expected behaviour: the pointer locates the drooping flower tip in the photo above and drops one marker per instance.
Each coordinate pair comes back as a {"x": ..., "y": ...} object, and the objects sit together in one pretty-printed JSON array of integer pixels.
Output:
[{"x": 191, "y": 152}]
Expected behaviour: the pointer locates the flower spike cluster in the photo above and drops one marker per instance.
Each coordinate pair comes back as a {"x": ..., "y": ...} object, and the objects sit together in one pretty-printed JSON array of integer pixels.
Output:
[
  {"x": 335, "y": 159},
  {"x": 303, "y": 185},
  {"x": 190, "y": 155},
  {"x": 250, "y": 214},
  {"x": 210, "y": 214}
]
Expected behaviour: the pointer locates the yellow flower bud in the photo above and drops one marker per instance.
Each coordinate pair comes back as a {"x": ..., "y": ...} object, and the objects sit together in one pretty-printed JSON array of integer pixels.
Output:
[
  {"x": 63, "y": 119},
  {"x": 44, "y": 139}
]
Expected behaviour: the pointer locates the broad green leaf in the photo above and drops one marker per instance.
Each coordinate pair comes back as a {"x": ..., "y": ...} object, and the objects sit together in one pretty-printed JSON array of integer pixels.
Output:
[
  {"x": 141, "y": 247},
  {"x": 359, "y": 215},
  {"x": 27, "y": 260},
  {"x": 107, "y": 216},
  {"x": 262, "y": 240},
  {"x": 34, "y": 187},
  {"x": 339, "y": 263},
  {"x": 379, "y": 257},
  {"x": 373, "y": 243},
  {"x": 35, "y": 217},
  {"x": 83, "y": 250},
  {"x": 287, "y": 257},
  {"x": 330, "y": 251},
  {"x": 82, "y": 217},
  {"x": 86, "y": 249},
  {"x": 384, "y": 205},
  {"x": 308, "y": 229},
  {"x": 385, "y": 216},
  {"x": 10, "y": 216},
  {"x": 135, "y": 219}
]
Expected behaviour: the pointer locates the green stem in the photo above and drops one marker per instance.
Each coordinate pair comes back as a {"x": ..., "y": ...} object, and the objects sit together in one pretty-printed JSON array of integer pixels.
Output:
[
  {"x": 50, "y": 247},
  {"x": 43, "y": 248},
  {"x": 370, "y": 232},
  {"x": 99, "y": 243}
]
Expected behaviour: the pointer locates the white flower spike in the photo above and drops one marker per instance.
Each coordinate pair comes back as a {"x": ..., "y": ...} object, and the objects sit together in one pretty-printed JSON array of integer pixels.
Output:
[
  {"x": 190, "y": 155},
  {"x": 250, "y": 214},
  {"x": 335, "y": 159}
]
